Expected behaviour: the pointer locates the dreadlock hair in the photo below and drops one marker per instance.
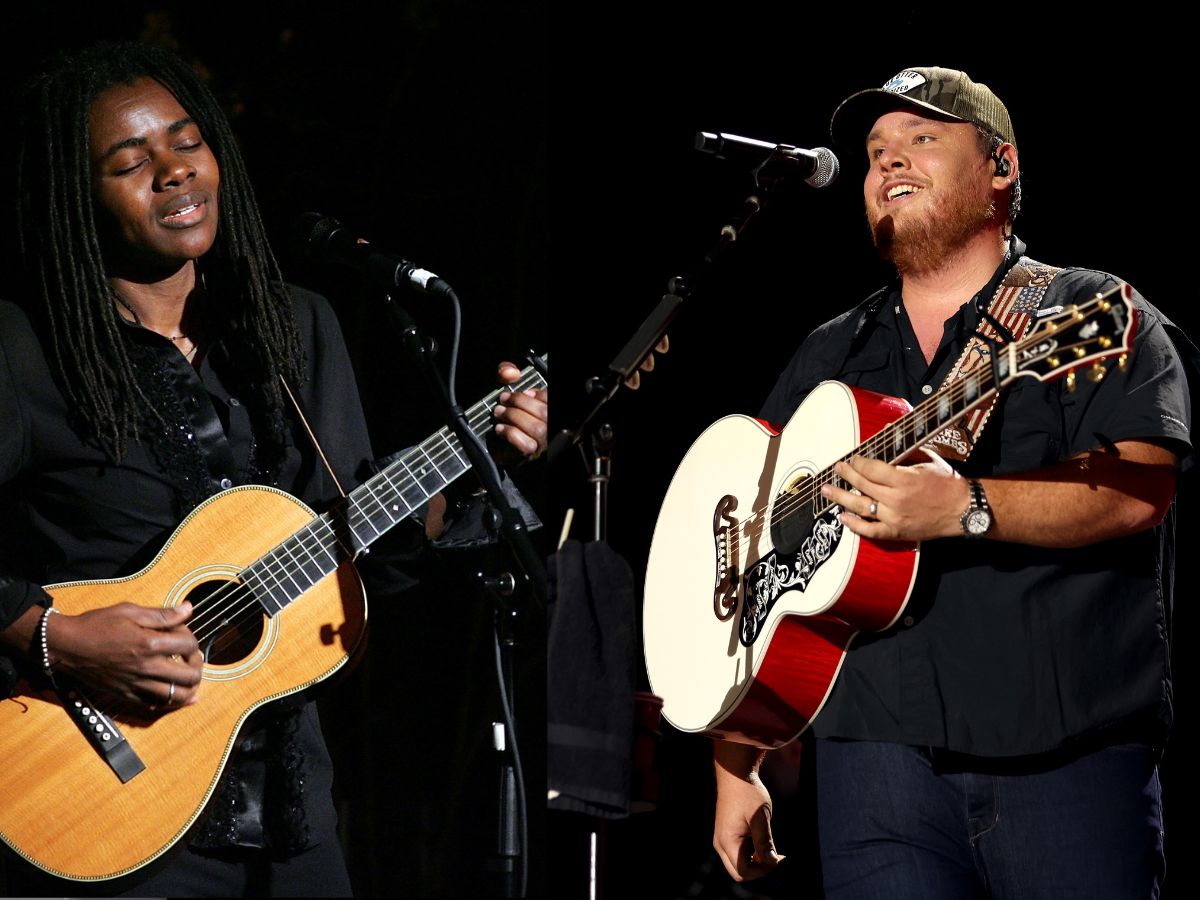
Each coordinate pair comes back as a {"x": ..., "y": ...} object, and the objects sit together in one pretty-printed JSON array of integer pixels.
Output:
[{"x": 62, "y": 255}]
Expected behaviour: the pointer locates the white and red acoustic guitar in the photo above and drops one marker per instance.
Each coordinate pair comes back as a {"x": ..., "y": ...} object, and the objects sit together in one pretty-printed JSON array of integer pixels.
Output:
[
  {"x": 92, "y": 793},
  {"x": 754, "y": 588}
]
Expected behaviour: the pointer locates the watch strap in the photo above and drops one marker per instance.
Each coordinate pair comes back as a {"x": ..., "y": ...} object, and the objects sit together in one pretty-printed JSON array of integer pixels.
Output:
[{"x": 977, "y": 508}]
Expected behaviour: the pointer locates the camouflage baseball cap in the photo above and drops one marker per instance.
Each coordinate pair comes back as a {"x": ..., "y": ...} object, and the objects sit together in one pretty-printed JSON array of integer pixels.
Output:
[{"x": 947, "y": 92}]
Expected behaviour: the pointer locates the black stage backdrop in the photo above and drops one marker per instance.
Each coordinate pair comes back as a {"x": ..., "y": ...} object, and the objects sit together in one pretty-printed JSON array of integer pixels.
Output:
[
  {"x": 427, "y": 128},
  {"x": 1097, "y": 105},
  {"x": 422, "y": 126}
]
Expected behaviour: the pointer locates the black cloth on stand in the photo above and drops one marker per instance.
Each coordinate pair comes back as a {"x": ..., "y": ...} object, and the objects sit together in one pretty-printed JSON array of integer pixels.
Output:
[{"x": 590, "y": 690}]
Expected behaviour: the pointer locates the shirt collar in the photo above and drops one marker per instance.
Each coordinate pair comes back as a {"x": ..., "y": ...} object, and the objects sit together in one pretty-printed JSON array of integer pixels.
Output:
[{"x": 1016, "y": 249}]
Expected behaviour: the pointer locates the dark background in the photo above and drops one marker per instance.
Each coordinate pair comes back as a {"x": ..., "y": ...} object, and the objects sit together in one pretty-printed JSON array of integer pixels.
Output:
[
  {"x": 1100, "y": 111},
  {"x": 422, "y": 126},
  {"x": 544, "y": 167}
]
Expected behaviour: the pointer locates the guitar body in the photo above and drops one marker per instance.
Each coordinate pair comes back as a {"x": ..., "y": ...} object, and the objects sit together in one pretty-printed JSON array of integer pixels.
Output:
[
  {"x": 64, "y": 808},
  {"x": 752, "y": 595}
]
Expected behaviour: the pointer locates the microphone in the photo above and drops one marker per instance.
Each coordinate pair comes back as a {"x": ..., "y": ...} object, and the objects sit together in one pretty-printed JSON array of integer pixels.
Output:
[
  {"x": 326, "y": 239},
  {"x": 819, "y": 167}
]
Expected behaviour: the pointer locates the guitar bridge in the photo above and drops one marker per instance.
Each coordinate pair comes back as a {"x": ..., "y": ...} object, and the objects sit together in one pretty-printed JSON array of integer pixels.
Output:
[
  {"x": 104, "y": 736},
  {"x": 725, "y": 543}
]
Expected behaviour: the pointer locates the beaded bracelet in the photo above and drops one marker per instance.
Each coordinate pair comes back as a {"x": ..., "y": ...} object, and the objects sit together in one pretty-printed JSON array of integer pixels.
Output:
[{"x": 45, "y": 645}]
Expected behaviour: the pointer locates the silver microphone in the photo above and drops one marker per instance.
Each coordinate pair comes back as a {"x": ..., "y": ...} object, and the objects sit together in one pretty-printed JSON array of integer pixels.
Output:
[{"x": 819, "y": 167}]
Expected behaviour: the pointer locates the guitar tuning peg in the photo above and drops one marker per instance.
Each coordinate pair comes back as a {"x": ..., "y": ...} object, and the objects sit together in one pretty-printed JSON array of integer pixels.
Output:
[
  {"x": 1123, "y": 361},
  {"x": 1071, "y": 382},
  {"x": 1096, "y": 373}
]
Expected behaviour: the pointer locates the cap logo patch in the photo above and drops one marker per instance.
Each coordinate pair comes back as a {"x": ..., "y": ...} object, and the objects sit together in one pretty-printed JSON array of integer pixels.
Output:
[{"x": 904, "y": 82}]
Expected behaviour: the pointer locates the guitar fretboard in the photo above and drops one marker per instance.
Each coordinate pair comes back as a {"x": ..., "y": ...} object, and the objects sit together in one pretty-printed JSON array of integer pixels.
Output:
[
  {"x": 371, "y": 509},
  {"x": 909, "y": 432},
  {"x": 1095, "y": 329}
]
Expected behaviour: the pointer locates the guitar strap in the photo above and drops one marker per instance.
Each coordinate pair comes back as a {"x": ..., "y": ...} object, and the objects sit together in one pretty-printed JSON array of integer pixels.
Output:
[
  {"x": 1008, "y": 318},
  {"x": 287, "y": 389}
]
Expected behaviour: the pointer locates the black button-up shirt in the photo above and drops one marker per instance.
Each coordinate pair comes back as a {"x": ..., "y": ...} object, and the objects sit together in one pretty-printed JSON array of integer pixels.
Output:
[
  {"x": 67, "y": 513},
  {"x": 1007, "y": 649}
]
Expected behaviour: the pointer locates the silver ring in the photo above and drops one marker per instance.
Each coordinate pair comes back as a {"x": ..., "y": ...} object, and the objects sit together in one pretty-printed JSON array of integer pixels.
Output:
[
  {"x": 874, "y": 508},
  {"x": 171, "y": 694}
]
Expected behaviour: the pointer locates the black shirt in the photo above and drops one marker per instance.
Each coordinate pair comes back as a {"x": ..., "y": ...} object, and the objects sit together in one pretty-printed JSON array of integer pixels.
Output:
[
  {"x": 69, "y": 513},
  {"x": 1007, "y": 649}
]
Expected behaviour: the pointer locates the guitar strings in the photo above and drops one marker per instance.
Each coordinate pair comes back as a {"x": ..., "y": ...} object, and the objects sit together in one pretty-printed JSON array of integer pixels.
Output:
[
  {"x": 233, "y": 592},
  {"x": 226, "y": 614},
  {"x": 273, "y": 577},
  {"x": 874, "y": 447},
  {"x": 479, "y": 414},
  {"x": 217, "y": 610}
]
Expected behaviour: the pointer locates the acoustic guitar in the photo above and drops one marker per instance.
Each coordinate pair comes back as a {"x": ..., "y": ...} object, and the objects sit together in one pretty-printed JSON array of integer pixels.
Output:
[{"x": 91, "y": 793}]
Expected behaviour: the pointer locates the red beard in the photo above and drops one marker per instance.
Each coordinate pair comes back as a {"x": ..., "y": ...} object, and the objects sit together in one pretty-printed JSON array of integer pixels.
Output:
[{"x": 922, "y": 242}]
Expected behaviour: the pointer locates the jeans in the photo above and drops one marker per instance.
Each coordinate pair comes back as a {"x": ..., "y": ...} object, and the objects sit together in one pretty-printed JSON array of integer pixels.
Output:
[{"x": 899, "y": 822}]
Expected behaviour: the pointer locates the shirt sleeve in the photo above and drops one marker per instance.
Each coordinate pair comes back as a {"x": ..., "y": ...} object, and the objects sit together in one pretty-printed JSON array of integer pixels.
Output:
[
  {"x": 16, "y": 594},
  {"x": 1149, "y": 400},
  {"x": 468, "y": 524}
]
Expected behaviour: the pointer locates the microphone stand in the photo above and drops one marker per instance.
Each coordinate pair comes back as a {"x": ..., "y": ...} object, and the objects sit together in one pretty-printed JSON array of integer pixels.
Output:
[
  {"x": 604, "y": 387},
  {"x": 636, "y": 350},
  {"x": 511, "y": 829},
  {"x": 511, "y": 525},
  {"x": 603, "y": 439},
  {"x": 510, "y": 809}
]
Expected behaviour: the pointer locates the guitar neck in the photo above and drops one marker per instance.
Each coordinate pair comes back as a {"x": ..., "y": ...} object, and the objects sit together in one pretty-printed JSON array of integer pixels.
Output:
[
  {"x": 952, "y": 404},
  {"x": 373, "y": 508},
  {"x": 1066, "y": 340}
]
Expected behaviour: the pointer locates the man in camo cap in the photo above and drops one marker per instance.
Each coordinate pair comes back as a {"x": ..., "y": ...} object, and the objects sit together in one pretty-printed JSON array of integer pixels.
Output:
[{"x": 1002, "y": 737}]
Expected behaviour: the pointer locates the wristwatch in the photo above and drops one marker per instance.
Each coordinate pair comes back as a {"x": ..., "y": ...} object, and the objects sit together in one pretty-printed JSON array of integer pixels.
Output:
[{"x": 977, "y": 520}]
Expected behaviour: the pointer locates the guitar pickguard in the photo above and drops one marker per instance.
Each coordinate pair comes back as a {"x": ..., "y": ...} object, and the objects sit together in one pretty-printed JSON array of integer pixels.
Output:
[{"x": 777, "y": 572}]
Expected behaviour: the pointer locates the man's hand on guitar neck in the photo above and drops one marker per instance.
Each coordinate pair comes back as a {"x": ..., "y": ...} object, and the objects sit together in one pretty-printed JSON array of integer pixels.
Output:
[
  {"x": 742, "y": 830},
  {"x": 521, "y": 417}
]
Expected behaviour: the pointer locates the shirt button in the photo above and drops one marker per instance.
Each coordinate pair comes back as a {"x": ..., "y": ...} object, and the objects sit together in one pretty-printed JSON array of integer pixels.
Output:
[
  {"x": 226, "y": 484},
  {"x": 233, "y": 401},
  {"x": 908, "y": 620},
  {"x": 926, "y": 389}
]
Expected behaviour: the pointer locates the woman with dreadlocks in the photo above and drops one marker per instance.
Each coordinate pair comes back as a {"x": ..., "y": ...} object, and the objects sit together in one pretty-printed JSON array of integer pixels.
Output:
[{"x": 144, "y": 378}]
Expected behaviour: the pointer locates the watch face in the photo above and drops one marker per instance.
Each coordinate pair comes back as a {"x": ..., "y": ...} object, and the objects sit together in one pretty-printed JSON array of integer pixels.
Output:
[{"x": 978, "y": 521}]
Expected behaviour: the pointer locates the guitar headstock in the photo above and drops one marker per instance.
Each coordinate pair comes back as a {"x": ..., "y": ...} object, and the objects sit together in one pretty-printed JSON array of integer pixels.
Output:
[{"x": 1079, "y": 338}]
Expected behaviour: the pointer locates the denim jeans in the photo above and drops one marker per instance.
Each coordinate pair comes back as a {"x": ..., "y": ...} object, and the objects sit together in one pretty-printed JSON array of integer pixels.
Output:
[{"x": 899, "y": 822}]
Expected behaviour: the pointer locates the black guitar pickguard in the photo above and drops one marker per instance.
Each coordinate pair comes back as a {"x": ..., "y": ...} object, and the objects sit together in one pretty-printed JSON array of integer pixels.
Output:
[{"x": 781, "y": 571}]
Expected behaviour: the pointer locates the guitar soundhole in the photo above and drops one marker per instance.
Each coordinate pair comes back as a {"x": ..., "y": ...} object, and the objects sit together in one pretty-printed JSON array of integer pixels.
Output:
[
  {"x": 792, "y": 515},
  {"x": 227, "y": 625}
]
